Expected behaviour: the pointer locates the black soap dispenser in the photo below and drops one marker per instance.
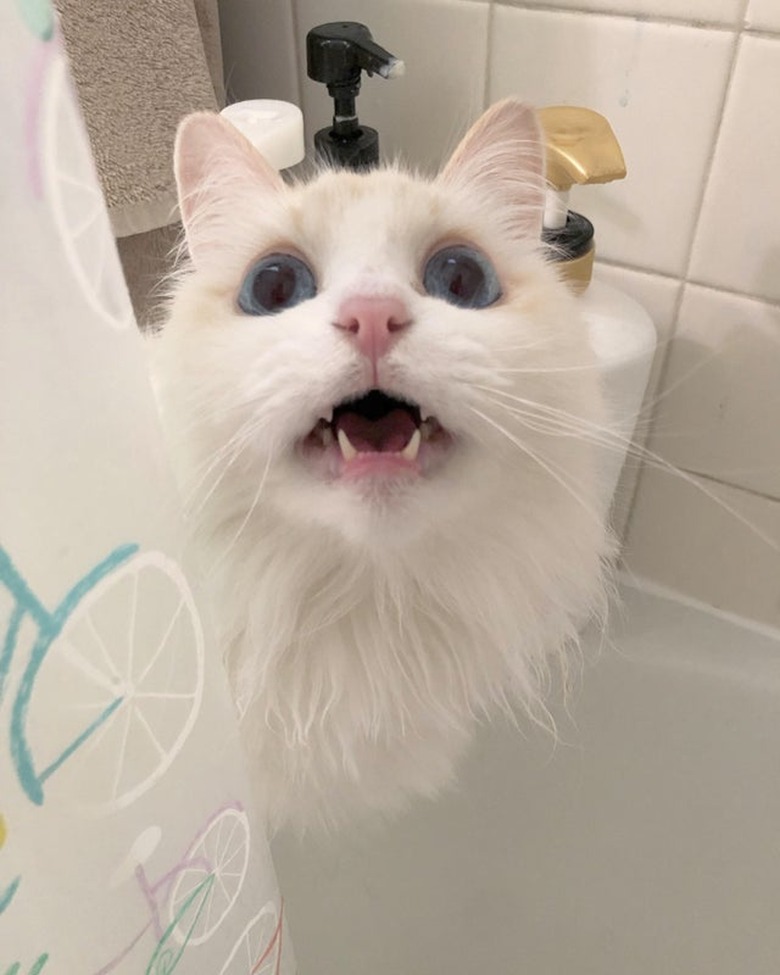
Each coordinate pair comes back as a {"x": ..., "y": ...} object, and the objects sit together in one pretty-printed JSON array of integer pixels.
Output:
[{"x": 336, "y": 54}]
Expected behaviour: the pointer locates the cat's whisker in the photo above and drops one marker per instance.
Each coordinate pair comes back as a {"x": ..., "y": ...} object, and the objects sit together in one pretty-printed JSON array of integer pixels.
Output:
[
  {"x": 247, "y": 434},
  {"x": 544, "y": 464},
  {"x": 541, "y": 409},
  {"x": 589, "y": 367},
  {"x": 554, "y": 427},
  {"x": 567, "y": 424},
  {"x": 212, "y": 462},
  {"x": 650, "y": 405},
  {"x": 231, "y": 450},
  {"x": 245, "y": 521},
  {"x": 702, "y": 361},
  {"x": 525, "y": 347},
  {"x": 611, "y": 436}
]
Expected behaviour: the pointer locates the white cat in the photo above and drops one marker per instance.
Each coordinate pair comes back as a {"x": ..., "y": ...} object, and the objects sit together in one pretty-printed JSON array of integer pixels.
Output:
[{"x": 366, "y": 380}]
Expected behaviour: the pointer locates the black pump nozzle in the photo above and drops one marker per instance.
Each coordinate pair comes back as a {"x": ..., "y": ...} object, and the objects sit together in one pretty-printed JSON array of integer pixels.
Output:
[{"x": 336, "y": 54}]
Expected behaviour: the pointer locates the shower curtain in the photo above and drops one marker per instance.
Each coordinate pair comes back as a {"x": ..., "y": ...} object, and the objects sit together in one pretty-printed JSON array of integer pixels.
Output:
[{"x": 127, "y": 838}]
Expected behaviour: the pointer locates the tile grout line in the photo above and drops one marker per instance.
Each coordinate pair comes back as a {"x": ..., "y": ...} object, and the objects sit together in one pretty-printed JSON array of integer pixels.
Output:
[
  {"x": 696, "y": 282},
  {"x": 662, "y": 590},
  {"x": 738, "y": 23},
  {"x": 762, "y": 33},
  {"x": 627, "y": 266},
  {"x": 623, "y": 15},
  {"x": 734, "y": 292},
  {"x": 651, "y": 421},
  {"x": 686, "y": 276},
  {"x": 684, "y": 279},
  {"x": 737, "y": 44}
]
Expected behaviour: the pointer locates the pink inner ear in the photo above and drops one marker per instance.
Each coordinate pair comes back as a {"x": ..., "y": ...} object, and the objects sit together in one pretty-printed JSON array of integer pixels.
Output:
[
  {"x": 214, "y": 164},
  {"x": 508, "y": 128},
  {"x": 502, "y": 156}
]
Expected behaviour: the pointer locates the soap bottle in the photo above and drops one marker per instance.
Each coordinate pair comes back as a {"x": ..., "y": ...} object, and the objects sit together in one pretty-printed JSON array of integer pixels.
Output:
[
  {"x": 583, "y": 149},
  {"x": 336, "y": 55}
]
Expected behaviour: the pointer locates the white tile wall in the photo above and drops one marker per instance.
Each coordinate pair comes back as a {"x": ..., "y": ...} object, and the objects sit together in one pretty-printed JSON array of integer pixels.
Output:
[
  {"x": 737, "y": 242},
  {"x": 763, "y": 15},
  {"x": 691, "y": 88},
  {"x": 720, "y": 415}
]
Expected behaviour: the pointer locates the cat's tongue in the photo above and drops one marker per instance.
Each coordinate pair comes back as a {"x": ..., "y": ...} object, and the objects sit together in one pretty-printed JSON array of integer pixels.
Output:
[{"x": 388, "y": 434}]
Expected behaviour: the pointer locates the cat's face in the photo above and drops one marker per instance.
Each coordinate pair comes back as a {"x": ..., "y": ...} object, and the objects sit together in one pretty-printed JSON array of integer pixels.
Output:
[{"x": 360, "y": 351}]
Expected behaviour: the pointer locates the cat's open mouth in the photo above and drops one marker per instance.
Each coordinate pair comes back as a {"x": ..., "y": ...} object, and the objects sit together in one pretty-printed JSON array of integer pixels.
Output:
[{"x": 376, "y": 434}]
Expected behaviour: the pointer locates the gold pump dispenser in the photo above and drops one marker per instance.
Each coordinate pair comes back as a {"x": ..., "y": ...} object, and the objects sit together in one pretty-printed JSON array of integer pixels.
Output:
[{"x": 581, "y": 148}]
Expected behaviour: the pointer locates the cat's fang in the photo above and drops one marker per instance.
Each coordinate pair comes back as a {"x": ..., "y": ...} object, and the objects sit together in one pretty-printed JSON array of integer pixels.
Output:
[
  {"x": 428, "y": 428},
  {"x": 411, "y": 450},
  {"x": 348, "y": 452}
]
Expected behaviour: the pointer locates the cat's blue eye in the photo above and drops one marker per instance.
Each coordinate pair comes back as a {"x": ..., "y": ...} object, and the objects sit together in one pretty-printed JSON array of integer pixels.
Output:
[
  {"x": 275, "y": 283},
  {"x": 463, "y": 276}
]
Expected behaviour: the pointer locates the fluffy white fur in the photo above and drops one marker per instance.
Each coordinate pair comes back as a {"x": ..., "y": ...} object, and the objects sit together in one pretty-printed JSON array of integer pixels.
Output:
[{"x": 366, "y": 631}]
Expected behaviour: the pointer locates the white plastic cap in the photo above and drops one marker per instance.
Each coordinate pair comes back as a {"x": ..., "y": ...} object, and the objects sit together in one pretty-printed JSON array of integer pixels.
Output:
[{"x": 273, "y": 127}]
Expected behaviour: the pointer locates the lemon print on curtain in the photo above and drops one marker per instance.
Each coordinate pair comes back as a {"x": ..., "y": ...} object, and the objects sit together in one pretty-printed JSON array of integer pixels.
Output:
[
  {"x": 39, "y": 17},
  {"x": 125, "y": 647},
  {"x": 77, "y": 204},
  {"x": 128, "y": 842}
]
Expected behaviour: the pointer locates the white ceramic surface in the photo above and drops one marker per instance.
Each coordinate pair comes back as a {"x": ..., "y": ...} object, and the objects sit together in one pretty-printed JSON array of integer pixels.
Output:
[
  {"x": 645, "y": 842},
  {"x": 714, "y": 542}
]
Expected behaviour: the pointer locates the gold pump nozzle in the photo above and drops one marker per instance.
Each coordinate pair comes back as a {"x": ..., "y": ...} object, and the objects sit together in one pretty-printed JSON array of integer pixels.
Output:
[{"x": 581, "y": 147}]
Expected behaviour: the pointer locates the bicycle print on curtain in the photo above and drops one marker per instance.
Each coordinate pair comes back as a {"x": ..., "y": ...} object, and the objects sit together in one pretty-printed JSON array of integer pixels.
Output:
[{"x": 127, "y": 842}]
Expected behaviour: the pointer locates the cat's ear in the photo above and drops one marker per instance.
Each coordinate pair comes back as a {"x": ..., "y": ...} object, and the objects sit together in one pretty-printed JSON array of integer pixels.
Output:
[
  {"x": 502, "y": 157},
  {"x": 216, "y": 170}
]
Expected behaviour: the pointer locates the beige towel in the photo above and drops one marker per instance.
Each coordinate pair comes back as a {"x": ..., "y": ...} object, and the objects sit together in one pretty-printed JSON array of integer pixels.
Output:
[{"x": 139, "y": 67}]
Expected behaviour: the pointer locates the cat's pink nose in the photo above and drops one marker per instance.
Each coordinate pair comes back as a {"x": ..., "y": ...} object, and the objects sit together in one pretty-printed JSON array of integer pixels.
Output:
[{"x": 374, "y": 323}]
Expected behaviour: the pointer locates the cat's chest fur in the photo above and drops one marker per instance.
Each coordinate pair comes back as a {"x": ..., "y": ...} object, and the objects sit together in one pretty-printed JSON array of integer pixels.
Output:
[
  {"x": 360, "y": 678},
  {"x": 351, "y": 715}
]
